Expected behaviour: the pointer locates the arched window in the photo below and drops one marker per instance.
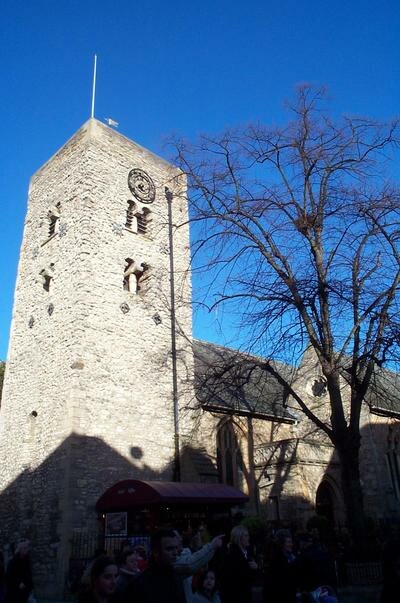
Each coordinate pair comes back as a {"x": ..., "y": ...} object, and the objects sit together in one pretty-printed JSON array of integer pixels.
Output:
[
  {"x": 137, "y": 221},
  {"x": 229, "y": 456},
  {"x": 54, "y": 218},
  {"x": 131, "y": 221},
  {"x": 135, "y": 275},
  {"x": 143, "y": 221}
]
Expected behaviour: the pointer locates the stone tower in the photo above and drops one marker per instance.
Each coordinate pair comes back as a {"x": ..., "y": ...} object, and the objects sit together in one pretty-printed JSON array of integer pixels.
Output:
[{"x": 88, "y": 395}]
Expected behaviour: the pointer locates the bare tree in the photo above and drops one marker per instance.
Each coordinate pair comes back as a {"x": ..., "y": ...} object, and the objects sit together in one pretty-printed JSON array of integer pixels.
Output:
[{"x": 300, "y": 231}]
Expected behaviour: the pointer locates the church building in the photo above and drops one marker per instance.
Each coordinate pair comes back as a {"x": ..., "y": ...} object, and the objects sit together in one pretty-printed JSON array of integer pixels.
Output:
[{"x": 106, "y": 393}]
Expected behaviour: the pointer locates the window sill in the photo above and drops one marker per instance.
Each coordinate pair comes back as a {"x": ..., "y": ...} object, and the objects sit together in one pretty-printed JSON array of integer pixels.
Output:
[
  {"x": 49, "y": 239},
  {"x": 135, "y": 232}
]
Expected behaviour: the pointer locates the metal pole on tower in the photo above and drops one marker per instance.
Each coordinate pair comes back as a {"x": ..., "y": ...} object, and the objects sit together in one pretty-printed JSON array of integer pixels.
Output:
[
  {"x": 94, "y": 85},
  {"x": 177, "y": 459}
]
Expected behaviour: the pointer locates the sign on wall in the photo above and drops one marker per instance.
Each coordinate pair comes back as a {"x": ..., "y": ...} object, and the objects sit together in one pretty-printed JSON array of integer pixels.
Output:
[{"x": 117, "y": 524}]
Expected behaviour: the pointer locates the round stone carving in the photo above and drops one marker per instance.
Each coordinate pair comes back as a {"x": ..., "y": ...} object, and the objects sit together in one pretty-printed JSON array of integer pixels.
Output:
[{"x": 141, "y": 186}]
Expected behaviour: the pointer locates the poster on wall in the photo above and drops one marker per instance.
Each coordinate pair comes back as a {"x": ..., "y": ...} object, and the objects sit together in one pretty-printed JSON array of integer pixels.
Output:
[{"x": 117, "y": 524}]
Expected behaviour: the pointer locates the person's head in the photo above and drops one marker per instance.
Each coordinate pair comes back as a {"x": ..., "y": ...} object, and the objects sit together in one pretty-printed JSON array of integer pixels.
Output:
[
  {"x": 208, "y": 582},
  {"x": 284, "y": 541},
  {"x": 23, "y": 548},
  {"x": 240, "y": 536},
  {"x": 103, "y": 577},
  {"x": 165, "y": 547},
  {"x": 140, "y": 550},
  {"x": 129, "y": 560}
]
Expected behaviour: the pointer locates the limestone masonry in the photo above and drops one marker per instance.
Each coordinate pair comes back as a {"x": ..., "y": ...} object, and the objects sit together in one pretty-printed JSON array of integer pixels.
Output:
[{"x": 88, "y": 389}]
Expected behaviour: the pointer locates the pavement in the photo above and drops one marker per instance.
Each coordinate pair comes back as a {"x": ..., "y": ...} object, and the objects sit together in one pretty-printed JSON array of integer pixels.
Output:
[
  {"x": 349, "y": 594},
  {"x": 360, "y": 594}
]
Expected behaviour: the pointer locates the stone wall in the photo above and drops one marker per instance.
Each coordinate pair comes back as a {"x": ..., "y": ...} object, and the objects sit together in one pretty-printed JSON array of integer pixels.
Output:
[
  {"x": 88, "y": 389},
  {"x": 291, "y": 461}
]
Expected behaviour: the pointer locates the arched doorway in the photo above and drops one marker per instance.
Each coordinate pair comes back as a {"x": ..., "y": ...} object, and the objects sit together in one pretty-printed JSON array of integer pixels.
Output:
[{"x": 325, "y": 502}]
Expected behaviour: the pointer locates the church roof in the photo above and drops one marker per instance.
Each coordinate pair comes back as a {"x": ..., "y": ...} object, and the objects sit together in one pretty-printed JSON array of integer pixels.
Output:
[
  {"x": 383, "y": 396},
  {"x": 231, "y": 382}
]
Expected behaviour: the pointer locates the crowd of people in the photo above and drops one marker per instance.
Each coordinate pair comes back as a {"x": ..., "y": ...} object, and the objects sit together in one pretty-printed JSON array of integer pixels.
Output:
[
  {"x": 185, "y": 570},
  {"x": 216, "y": 572}
]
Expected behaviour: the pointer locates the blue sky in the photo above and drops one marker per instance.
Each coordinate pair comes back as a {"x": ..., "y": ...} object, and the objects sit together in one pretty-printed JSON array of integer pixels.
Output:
[{"x": 174, "y": 67}]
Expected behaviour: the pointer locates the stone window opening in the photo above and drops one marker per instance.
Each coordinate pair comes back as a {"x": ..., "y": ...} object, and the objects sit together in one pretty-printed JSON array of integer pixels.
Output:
[
  {"x": 135, "y": 275},
  {"x": 319, "y": 387},
  {"x": 143, "y": 221},
  {"x": 229, "y": 456},
  {"x": 46, "y": 280},
  {"x": 131, "y": 220},
  {"x": 137, "y": 221},
  {"x": 54, "y": 219}
]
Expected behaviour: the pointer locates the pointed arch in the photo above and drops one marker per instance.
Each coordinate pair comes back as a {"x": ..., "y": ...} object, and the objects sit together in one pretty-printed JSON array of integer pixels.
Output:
[
  {"x": 329, "y": 501},
  {"x": 229, "y": 454}
]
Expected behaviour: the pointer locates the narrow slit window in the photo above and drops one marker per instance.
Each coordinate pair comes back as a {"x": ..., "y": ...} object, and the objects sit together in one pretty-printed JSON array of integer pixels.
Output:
[
  {"x": 131, "y": 219},
  {"x": 143, "y": 221},
  {"x": 54, "y": 219}
]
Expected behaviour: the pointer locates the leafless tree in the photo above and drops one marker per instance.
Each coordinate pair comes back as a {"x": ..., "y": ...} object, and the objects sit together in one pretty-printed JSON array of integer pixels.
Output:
[{"x": 299, "y": 236}]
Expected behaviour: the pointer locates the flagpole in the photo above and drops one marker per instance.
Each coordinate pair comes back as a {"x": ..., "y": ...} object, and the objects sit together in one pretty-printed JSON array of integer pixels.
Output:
[{"x": 94, "y": 85}]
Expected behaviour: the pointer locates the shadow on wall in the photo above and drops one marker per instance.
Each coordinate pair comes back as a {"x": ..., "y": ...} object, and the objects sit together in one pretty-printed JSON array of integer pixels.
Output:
[
  {"x": 299, "y": 478},
  {"x": 46, "y": 504},
  {"x": 379, "y": 472}
]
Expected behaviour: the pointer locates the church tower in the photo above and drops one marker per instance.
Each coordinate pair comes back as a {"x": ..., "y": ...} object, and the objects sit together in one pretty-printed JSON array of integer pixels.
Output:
[{"x": 88, "y": 394}]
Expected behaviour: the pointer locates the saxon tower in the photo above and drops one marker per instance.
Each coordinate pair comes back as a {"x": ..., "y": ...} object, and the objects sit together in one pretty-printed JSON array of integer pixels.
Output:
[{"x": 88, "y": 396}]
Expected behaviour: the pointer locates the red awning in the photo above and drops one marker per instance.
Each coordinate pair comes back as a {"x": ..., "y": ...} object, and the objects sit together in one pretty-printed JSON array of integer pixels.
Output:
[{"x": 134, "y": 493}]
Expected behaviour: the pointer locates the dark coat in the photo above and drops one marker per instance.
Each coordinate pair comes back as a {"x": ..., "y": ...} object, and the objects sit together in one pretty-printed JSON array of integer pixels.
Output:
[
  {"x": 86, "y": 596},
  {"x": 124, "y": 581},
  {"x": 236, "y": 577},
  {"x": 157, "y": 584},
  {"x": 18, "y": 572},
  {"x": 282, "y": 579}
]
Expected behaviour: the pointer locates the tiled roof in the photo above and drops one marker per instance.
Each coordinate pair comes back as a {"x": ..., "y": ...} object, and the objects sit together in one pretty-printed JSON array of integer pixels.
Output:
[
  {"x": 384, "y": 392},
  {"x": 229, "y": 381}
]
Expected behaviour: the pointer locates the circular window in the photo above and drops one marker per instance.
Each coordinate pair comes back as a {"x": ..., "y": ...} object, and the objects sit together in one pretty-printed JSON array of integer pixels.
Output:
[{"x": 319, "y": 387}]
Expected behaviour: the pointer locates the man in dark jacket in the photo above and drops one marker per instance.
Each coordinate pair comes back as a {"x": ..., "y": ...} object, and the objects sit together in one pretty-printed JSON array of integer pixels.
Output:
[
  {"x": 282, "y": 580},
  {"x": 159, "y": 583}
]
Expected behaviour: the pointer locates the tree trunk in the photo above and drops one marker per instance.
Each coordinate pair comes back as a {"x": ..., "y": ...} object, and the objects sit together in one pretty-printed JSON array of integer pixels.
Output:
[{"x": 349, "y": 456}]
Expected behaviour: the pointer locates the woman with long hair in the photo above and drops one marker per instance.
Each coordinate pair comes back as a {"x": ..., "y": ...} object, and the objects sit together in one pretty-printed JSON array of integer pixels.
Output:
[
  {"x": 238, "y": 568},
  {"x": 103, "y": 581}
]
